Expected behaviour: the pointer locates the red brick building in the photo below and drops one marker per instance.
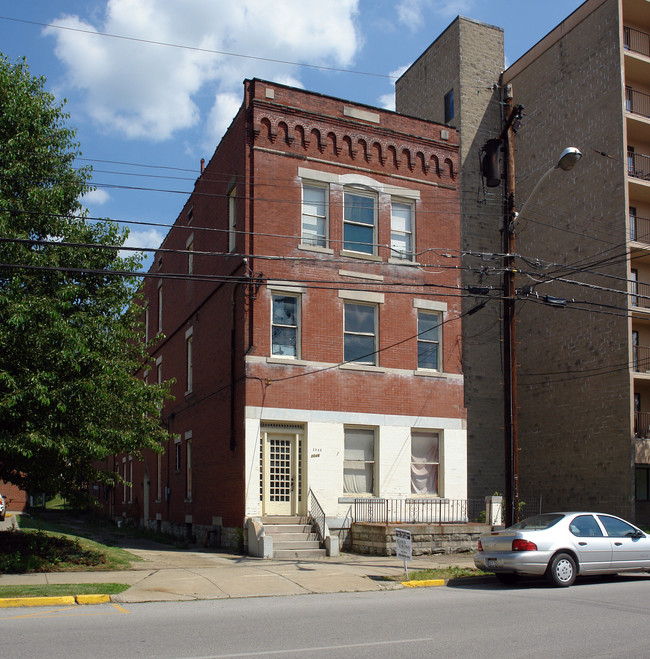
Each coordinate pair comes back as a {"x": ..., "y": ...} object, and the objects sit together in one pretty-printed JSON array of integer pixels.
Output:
[{"x": 309, "y": 297}]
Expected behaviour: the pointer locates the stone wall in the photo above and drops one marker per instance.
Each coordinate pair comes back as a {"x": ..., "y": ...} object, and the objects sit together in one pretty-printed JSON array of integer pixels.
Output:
[{"x": 379, "y": 539}]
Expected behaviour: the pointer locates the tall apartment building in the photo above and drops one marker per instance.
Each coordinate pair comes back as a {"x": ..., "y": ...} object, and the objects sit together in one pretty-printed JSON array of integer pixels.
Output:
[
  {"x": 309, "y": 301},
  {"x": 584, "y": 381}
]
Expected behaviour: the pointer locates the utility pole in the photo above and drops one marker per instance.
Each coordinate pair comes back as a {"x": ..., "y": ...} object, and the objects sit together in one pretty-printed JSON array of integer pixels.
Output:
[{"x": 511, "y": 438}]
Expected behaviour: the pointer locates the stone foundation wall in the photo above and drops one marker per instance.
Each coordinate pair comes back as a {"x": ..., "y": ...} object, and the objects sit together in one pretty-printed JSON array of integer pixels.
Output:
[{"x": 379, "y": 539}]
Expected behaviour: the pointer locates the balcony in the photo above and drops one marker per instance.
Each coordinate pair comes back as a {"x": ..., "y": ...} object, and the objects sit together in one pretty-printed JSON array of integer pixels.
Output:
[
  {"x": 638, "y": 165},
  {"x": 641, "y": 359},
  {"x": 636, "y": 41},
  {"x": 640, "y": 229},
  {"x": 640, "y": 295},
  {"x": 642, "y": 425},
  {"x": 637, "y": 102}
]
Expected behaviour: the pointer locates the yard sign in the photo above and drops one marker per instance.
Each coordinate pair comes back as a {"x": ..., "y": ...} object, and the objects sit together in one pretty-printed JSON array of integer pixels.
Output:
[{"x": 404, "y": 547}]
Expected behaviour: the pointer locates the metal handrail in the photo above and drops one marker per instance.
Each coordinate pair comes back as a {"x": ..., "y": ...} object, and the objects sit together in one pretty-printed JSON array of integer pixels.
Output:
[
  {"x": 640, "y": 229},
  {"x": 637, "y": 102},
  {"x": 317, "y": 515},
  {"x": 638, "y": 165}
]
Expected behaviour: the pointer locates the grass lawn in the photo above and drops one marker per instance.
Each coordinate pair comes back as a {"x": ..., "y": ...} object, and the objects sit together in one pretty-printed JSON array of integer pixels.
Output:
[
  {"x": 49, "y": 544},
  {"x": 62, "y": 589}
]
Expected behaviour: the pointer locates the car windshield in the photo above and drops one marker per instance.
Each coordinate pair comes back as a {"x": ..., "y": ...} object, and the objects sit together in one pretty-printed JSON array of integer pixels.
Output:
[{"x": 537, "y": 523}]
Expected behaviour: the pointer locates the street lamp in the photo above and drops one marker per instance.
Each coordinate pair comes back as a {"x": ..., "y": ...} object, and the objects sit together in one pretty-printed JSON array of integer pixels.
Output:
[{"x": 568, "y": 158}]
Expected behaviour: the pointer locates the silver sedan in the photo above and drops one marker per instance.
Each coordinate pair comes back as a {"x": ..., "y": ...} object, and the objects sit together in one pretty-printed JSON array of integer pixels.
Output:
[{"x": 562, "y": 545}]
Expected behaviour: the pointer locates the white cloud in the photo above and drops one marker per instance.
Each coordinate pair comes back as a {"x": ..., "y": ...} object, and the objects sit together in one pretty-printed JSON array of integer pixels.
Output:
[
  {"x": 411, "y": 12},
  {"x": 97, "y": 197},
  {"x": 387, "y": 101},
  {"x": 146, "y": 238},
  {"x": 142, "y": 90}
]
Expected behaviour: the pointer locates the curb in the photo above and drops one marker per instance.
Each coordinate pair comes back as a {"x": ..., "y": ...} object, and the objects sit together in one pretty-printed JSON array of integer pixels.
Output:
[
  {"x": 425, "y": 583},
  {"x": 64, "y": 600}
]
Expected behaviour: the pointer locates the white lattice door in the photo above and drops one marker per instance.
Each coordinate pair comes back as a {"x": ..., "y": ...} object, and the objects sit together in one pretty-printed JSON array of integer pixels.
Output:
[{"x": 280, "y": 483}]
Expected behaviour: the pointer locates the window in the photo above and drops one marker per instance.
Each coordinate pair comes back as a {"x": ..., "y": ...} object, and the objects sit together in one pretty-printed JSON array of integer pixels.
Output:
[
  {"x": 232, "y": 220},
  {"x": 314, "y": 215},
  {"x": 160, "y": 308},
  {"x": 177, "y": 454},
  {"x": 190, "y": 215},
  {"x": 359, "y": 334},
  {"x": 449, "y": 106},
  {"x": 429, "y": 340},
  {"x": 124, "y": 480},
  {"x": 146, "y": 323},
  {"x": 130, "y": 479},
  {"x": 633, "y": 231},
  {"x": 585, "y": 526},
  {"x": 189, "y": 246},
  {"x": 634, "y": 279},
  {"x": 425, "y": 462},
  {"x": 401, "y": 230},
  {"x": 188, "y": 465},
  {"x": 630, "y": 160},
  {"x": 617, "y": 528},
  {"x": 359, "y": 461},
  {"x": 359, "y": 222},
  {"x": 285, "y": 334},
  {"x": 189, "y": 341}
]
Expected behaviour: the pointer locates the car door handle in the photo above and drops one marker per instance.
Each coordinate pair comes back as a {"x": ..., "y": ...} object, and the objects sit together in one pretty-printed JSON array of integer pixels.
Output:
[
  {"x": 582, "y": 544},
  {"x": 618, "y": 544}
]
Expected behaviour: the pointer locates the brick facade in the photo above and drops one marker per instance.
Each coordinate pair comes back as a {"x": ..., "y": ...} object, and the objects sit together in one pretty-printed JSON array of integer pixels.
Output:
[{"x": 243, "y": 223}]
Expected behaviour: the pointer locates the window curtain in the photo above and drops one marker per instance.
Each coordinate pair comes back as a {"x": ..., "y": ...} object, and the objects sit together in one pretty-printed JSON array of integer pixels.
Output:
[{"x": 425, "y": 458}]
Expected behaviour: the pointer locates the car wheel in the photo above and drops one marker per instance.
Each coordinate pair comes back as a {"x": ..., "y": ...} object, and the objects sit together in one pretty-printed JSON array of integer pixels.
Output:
[
  {"x": 2, "y": 517},
  {"x": 562, "y": 570},
  {"x": 507, "y": 578}
]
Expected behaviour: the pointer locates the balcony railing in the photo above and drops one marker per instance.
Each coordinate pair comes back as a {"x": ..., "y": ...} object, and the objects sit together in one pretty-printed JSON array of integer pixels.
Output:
[
  {"x": 640, "y": 229},
  {"x": 636, "y": 41},
  {"x": 637, "y": 102},
  {"x": 642, "y": 425},
  {"x": 638, "y": 165},
  {"x": 640, "y": 296},
  {"x": 641, "y": 359}
]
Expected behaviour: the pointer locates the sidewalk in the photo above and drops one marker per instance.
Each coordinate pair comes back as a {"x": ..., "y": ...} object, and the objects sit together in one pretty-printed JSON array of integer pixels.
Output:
[{"x": 175, "y": 575}]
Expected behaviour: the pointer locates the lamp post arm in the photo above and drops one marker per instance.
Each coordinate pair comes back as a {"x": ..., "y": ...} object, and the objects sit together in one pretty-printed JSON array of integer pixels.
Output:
[{"x": 517, "y": 215}]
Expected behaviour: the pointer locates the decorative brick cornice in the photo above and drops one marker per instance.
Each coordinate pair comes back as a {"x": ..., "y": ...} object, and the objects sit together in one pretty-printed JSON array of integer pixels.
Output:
[{"x": 347, "y": 142}]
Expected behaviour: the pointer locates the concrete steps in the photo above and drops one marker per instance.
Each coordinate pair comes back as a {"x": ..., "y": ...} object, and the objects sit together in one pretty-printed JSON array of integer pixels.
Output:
[{"x": 293, "y": 537}]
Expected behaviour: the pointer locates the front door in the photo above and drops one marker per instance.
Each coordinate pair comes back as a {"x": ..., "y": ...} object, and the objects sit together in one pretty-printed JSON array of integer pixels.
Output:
[{"x": 281, "y": 468}]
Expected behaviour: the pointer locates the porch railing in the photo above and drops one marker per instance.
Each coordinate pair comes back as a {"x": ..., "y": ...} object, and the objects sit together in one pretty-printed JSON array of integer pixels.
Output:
[
  {"x": 637, "y": 102},
  {"x": 640, "y": 229},
  {"x": 638, "y": 165},
  {"x": 636, "y": 41},
  {"x": 317, "y": 515}
]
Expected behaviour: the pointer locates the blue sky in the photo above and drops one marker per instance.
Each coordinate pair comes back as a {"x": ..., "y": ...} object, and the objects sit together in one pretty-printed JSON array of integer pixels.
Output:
[{"x": 157, "y": 109}]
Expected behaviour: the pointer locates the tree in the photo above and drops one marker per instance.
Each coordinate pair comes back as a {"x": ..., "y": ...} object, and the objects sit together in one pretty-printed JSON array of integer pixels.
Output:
[{"x": 70, "y": 330}]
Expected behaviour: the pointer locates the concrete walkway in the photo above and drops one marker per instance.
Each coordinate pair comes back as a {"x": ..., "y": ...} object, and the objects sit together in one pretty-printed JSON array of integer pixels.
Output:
[{"x": 166, "y": 574}]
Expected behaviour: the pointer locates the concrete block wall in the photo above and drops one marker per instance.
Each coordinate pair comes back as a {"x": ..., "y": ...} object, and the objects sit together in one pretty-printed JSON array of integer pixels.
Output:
[
  {"x": 574, "y": 385},
  {"x": 469, "y": 57}
]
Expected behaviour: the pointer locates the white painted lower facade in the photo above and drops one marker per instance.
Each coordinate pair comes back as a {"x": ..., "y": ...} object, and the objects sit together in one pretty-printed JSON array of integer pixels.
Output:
[{"x": 313, "y": 442}]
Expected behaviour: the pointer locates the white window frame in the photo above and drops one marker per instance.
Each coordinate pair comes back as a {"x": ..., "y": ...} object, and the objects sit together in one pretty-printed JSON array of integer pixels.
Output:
[
  {"x": 308, "y": 238},
  {"x": 159, "y": 477},
  {"x": 355, "y": 246},
  {"x": 348, "y": 464},
  {"x": 352, "y": 333},
  {"x": 298, "y": 326},
  {"x": 232, "y": 219},
  {"x": 437, "y": 436},
  {"x": 424, "y": 341},
  {"x": 395, "y": 253}
]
